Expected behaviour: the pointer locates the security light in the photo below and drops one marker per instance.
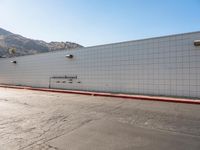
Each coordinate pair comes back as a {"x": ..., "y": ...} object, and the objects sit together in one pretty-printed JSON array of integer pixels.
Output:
[
  {"x": 197, "y": 43},
  {"x": 69, "y": 56},
  {"x": 13, "y": 61}
]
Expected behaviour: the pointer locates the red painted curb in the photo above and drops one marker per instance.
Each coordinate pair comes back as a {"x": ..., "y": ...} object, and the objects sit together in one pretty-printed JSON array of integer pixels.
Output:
[{"x": 126, "y": 96}]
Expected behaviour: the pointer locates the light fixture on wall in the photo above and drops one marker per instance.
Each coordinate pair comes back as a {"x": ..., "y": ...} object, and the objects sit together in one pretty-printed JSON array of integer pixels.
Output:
[
  {"x": 197, "y": 43},
  {"x": 69, "y": 56},
  {"x": 13, "y": 61}
]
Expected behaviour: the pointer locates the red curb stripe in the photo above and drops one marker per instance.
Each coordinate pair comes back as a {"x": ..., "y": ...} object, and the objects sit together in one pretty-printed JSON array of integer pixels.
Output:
[{"x": 126, "y": 96}]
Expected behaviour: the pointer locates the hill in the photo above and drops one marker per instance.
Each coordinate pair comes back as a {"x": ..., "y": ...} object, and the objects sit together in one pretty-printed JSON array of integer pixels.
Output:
[{"x": 27, "y": 46}]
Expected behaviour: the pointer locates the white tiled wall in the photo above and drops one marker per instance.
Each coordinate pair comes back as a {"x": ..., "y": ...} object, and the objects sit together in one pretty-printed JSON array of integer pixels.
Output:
[{"x": 167, "y": 66}]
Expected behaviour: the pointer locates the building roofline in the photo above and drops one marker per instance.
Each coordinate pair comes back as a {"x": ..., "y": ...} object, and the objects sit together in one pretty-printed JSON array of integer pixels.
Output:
[
  {"x": 123, "y": 42},
  {"x": 144, "y": 39}
]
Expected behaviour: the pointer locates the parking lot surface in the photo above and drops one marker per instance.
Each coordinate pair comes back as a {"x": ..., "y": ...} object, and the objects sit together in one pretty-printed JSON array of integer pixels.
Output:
[{"x": 33, "y": 120}]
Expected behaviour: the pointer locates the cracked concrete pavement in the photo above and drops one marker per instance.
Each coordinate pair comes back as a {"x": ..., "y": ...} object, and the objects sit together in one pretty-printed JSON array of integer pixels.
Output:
[{"x": 33, "y": 120}]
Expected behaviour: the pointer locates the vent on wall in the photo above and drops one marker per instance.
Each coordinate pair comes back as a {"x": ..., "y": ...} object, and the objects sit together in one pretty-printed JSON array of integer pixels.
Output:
[{"x": 197, "y": 43}]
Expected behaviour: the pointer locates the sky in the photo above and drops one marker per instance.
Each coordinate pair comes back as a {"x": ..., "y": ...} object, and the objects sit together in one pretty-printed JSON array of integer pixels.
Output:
[{"x": 96, "y": 22}]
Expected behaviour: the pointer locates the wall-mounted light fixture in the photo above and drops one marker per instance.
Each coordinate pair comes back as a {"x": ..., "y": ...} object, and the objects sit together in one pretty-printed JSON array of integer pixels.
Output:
[
  {"x": 197, "y": 43},
  {"x": 13, "y": 61},
  {"x": 69, "y": 56}
]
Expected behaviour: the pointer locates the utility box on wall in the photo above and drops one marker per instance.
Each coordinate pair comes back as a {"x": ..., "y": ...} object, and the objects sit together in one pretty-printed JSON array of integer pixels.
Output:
[{"x": 168, "y": 66}]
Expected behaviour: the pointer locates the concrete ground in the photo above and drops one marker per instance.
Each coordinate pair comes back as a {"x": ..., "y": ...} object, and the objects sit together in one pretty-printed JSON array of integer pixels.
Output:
[{"x": 53, "y": 121}]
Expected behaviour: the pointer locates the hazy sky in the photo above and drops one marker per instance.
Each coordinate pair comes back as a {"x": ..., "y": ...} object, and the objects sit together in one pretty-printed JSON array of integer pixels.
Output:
[{"x": 94, "y": 22}]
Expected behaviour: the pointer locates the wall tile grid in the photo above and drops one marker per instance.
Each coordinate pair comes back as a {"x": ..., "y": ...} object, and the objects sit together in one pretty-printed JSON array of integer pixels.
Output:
[{"x": 167, "y": 66}]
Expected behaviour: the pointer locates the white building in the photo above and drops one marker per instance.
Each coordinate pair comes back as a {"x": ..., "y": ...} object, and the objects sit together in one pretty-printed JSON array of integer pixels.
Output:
[{"x": 168, "y": 66}]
